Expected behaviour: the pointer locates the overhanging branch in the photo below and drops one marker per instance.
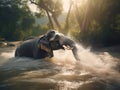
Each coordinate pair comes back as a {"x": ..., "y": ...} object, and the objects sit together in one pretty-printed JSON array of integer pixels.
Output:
[{"x": 41, "y": 6}]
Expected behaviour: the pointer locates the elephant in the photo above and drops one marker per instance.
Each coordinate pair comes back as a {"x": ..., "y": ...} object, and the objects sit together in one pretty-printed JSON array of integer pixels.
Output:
[
  {"x": 43, "y": 46},
  {"x": 36, "y": 48}
]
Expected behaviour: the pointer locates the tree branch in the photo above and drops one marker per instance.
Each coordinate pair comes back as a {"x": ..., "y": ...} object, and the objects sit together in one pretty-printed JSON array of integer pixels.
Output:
[
  {"x": 32, "y": 1},
  {"x": 41, "y": 6}
]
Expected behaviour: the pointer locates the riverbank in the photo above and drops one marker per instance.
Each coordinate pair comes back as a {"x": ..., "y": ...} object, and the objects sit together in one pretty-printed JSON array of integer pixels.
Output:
[
  {"x": 9, "y": 43},
  {"x": 112, "y": 50},
  {"x": 115, "y": 48}
]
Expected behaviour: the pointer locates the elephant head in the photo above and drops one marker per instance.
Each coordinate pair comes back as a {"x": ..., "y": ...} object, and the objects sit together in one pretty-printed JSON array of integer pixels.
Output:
[{"x": 61, "y": 42}]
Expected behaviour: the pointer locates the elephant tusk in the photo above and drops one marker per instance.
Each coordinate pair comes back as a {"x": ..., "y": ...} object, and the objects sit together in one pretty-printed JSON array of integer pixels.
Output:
[{"x": 67, "y": 47}]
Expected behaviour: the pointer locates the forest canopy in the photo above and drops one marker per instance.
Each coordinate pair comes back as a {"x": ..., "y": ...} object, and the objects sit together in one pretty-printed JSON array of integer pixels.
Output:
[
  {"x": 16, "y": 19},
  {"x": 92, "y": 22}
]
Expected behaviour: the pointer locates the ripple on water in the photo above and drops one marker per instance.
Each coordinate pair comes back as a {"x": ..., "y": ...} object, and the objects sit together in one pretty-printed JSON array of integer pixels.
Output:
[{"x": 93, "y": 72}]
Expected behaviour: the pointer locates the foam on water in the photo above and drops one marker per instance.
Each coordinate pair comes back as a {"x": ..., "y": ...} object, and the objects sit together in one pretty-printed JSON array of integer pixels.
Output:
[
  {"x": 89, "y": 61},
  {"x": 102, "y": 65},
  {"x": 63, "y": 70}
]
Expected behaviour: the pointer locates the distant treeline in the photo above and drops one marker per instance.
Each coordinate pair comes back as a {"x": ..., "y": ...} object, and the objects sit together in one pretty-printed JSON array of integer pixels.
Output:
[{"x": 17, "y": 21}]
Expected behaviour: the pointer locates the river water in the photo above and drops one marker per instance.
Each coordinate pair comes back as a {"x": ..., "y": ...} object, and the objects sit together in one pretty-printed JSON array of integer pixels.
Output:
[{"x": 98, "y": 71}]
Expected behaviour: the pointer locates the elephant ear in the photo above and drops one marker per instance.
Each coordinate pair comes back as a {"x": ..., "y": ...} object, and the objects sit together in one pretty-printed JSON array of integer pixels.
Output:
[
  {"x": 43, "y": 44},
  {"x": 45, "y": 48}
]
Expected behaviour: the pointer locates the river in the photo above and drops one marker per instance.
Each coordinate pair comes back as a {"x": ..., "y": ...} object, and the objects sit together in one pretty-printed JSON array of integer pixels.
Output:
[{"x": 95, "y": 71}]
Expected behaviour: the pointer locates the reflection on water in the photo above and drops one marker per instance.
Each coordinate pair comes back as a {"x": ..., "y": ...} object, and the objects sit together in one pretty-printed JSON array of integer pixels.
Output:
[{"x": 63, "y": 72}]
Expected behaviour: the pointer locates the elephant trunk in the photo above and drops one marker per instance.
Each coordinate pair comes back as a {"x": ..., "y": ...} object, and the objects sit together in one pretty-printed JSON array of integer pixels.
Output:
[
  {"x": 74, "y": 50},
  {"x": 68, "y": 42}
]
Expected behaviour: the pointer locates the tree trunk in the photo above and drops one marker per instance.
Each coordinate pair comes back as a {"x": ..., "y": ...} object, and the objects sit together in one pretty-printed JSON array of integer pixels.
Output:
[
  {"x": 56, "y": 21},
  {"x": 47, "y": 10},
  {"x": 50, "y": 20},
  {"x": 78, "y": 16},
  {"x": 85, "y": 22},
  {"x": 66, "y": 28}
]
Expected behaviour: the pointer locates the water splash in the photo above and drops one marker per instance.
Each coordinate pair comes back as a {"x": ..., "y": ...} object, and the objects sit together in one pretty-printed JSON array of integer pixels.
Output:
[{"x": 63, "y": 71}]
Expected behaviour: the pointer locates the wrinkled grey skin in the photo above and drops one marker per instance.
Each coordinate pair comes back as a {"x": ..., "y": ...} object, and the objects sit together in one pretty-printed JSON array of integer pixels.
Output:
[
  {"x": 60, "y": 41},
  {"x": 52, "y": 40},
  {"x": 31, "y": 48}
]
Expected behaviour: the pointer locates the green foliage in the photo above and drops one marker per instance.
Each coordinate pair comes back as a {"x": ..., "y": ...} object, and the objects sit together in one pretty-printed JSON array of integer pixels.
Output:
[
  {"x": 117, "y": 23},
  {"x": 96, "y": 22},
  {"x": 18, "y": 22},
  {"x": 102, "y": 24},
  {"x": 39, "y": 15},
  {"x": 39, "y": 30},
  {"x": 53, "y": 6},
  {"x": 15, "y": 19}
]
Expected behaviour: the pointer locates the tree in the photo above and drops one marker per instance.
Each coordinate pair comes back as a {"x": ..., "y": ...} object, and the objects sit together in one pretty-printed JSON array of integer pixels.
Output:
[
  {"x": 98, "y": 21},
  {"x": 15, "y": 18},
  {"x": 51, "y": 7},
  {"x": 66, "y": 27}
]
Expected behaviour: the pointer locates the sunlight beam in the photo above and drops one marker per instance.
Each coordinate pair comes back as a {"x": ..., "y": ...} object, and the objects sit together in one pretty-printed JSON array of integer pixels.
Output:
[{"x": 66, "y": 4}]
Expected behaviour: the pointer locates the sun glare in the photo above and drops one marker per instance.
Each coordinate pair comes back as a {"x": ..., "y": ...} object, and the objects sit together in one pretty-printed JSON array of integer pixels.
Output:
[
  {"x": 66, "y": 4},
  {"x": 32, "y": 7}
]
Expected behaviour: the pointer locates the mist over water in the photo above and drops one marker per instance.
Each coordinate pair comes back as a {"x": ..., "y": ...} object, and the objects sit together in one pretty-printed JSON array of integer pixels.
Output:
[{"x": 62, "y": 72}]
